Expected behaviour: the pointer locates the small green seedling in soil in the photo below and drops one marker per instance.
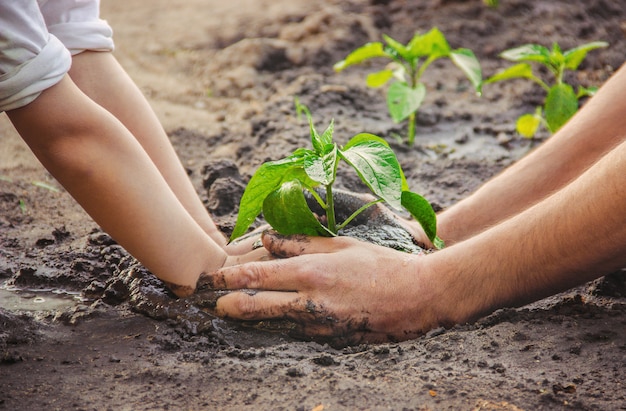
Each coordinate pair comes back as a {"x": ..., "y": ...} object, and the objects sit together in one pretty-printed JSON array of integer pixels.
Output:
[
  {"x": 277, "y": 188},
  {"x": 408, "y": 62},
  {"x": 22, "y": 206},
  {"x": 561, "y": 101}
]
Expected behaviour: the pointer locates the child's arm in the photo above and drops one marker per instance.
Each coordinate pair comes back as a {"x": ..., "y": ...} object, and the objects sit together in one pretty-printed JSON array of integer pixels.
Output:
[
  {"x": 107, "y": 171},
  {"x": 101, "y": 78}
]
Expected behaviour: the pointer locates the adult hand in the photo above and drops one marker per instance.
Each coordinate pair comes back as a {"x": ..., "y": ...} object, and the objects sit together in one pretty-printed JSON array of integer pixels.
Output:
[{"x": 338, "y": 290}]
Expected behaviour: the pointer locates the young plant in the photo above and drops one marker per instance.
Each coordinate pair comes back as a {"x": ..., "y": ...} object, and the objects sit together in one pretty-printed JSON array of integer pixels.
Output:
[
  {"x": 561, "y": 101},
  {"x": 408, "y": 62},
  {"x": 277, "y": 187}
]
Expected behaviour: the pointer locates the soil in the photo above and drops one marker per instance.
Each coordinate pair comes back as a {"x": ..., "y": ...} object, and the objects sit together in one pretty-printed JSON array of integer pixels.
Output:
[{"x": 84, "y": 327}]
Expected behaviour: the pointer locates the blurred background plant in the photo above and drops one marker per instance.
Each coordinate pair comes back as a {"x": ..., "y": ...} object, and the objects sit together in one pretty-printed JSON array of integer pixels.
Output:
[{"x": 561, "y": 101}]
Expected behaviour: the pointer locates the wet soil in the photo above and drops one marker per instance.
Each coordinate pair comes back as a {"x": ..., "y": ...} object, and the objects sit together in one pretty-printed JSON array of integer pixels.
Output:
[{"x": 83, "y": 326}]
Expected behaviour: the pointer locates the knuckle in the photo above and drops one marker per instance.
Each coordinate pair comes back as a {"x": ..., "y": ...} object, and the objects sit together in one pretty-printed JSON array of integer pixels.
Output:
[
  {"x": 245, "y": 307},
  {"x": 319, "y": 277},
  {"x": 343, "y": 242},
  {"x": 325, "y": 281},
  {"x": 254, "y": 275}
]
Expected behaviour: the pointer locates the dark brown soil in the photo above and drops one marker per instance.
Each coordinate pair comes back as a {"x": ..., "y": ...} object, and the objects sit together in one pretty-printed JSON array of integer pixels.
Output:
[{"x": 83, "y": 326}]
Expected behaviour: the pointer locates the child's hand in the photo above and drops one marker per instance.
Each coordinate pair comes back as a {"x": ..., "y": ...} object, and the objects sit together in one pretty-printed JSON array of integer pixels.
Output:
[{"x": 247, "y": 248}]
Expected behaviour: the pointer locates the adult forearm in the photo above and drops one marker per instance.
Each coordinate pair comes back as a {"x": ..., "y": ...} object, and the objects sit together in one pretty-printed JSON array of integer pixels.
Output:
[
  {"x": 597, "y": 128},
  {"x": 571, "y": 237}
]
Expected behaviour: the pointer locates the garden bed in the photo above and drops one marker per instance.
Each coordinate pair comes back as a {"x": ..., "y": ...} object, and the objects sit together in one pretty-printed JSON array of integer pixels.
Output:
[{"x": 222, "y": 79}]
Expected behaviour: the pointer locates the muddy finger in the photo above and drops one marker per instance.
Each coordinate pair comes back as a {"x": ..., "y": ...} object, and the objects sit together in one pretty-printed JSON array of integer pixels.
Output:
[
  {"x": 297, "y": 273},
  {"x": 294, "y": 245},
  {"x": 308, "y": 319},
  {"x": 265, "y": 305}
]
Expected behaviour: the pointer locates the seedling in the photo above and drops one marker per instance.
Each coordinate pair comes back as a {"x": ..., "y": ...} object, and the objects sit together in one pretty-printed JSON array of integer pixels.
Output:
[
  {"x": 277, "y": 188},
  {"x": 408, "y": 62},
  {"x": 561, "y": 101}
]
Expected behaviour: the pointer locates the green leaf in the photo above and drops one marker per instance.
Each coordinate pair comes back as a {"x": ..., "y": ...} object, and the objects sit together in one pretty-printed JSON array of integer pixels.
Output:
[
  {"x": 423, "y": 213},
  {"x": 528, "y": 124},
  {"x": 561, "y": 104},
  {"x": 586, "y": 91},
  {"x": 377, "y": 166},
  {"x": 366, "y": 52},
  {"x": 403, "y": 100},
  {"x": 22, "y": 206},
  {"x": 379, "y": 78},
  {"x": 432, "y": 44},
  {"x": 557, "y": 59},
  {"x": 467, "y": 61},
  {"x": 268, "y": 177},
  {"x": 405, "y": 184},
  {"x": 364, "y": 137},
  {"x": 528, "y": 52},
  {"x": 398, "y": 47},
  {"x": 327, "y": 136},
  {"x": 318, "y": 141},
  {"x": 314, "y": 168},
  {"x": 301, "y": 108},
  {"x": 322, "y": 168},
  {"x": 522, "y": 70},
  {"x": 287, "y": 211},
  {"x": 575, "y": 56}
]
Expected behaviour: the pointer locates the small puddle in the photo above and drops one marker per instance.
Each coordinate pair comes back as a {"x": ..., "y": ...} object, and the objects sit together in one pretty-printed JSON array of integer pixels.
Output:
[{"x": 15, "y": 299}]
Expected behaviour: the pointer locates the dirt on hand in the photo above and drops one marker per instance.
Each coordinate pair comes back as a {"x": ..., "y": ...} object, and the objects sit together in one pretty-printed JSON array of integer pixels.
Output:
[{"x": 84, "y": 326}]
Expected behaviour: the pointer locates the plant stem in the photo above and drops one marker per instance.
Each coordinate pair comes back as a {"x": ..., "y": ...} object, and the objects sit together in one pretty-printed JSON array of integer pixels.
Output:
[
  {"x": 559, "y": 76},
  {"x": 330, "y": 210},
  {"x": 411, "y": 134},
  {"x": 416, "y": 75},
  {"x": 540, "y": 82},
  {"x": 318, "y": 198},
  {"x": 357, "y": 212},
  {"x": 421, "y": 70}
]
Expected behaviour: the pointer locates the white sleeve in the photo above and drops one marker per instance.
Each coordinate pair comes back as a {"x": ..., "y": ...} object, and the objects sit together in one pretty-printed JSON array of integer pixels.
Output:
[
  {"x": 31, "y": 60},
  {"x": 77, "y": 24}
]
